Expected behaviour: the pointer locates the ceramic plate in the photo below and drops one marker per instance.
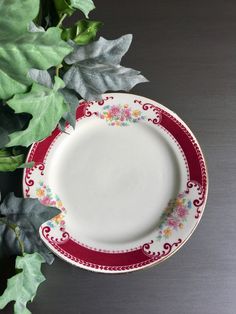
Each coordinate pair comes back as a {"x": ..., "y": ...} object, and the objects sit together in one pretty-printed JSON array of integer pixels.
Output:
[{"x": 130, "y": 180}]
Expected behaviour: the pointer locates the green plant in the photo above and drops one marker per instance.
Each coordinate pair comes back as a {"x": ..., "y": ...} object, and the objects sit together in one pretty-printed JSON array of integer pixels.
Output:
[{"x": 45, "y": 69}]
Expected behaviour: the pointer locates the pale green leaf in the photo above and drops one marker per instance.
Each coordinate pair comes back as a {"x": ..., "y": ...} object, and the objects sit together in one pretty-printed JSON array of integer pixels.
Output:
[
  {"x": 28, "y": 214},
  {"x": 46, "y": 106},
  {"x": 68, "y": 6},
  {"x": 21, "y": 50},
  {"x": 22, "y": 287},
  {"x": 41, "y": 77},
  {"x": 70, "y": 97},
  {"x": 85, "y": 6},
  {"x": 96, "y": 68},
  {"x": 27, "y": 165},
  {"x": 33, "y": 28}
]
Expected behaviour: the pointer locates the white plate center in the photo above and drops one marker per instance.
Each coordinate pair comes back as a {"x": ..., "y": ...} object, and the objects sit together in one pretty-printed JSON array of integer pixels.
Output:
[{"x": 114, "y": 181}]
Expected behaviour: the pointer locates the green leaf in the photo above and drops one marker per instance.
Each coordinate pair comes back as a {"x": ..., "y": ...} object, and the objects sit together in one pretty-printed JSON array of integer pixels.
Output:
[
  {"x": 72, "y": 100},
  {"x": 28, "y": 214},
  {"x": 22, "y": 287},
  {"x": 27, "y": 165},
  {"x": 96, "y": 69},
  {"x": 68, "y": 6},
  {"x": 87, "y": 31},
  {"x": 41, "y": 77},
  {"x": 63, "y": 7},
  {"x": 70, "y": 97},
  {"x": 10, "y": 122},
  {"x": 83, "y": 32},
  {"x": 21, "y": 50},
  {"x": 46, "y": 106},
  {"x": 10, "y": 161},
  {"x": 85, "y": 6},
  {"x": 33, "y": 28}
]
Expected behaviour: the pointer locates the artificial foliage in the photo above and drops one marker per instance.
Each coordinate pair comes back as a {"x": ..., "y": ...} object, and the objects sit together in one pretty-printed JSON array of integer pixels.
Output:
[
  {"x": 46, "y": 68},
  {"x": 22, "y": 287}
]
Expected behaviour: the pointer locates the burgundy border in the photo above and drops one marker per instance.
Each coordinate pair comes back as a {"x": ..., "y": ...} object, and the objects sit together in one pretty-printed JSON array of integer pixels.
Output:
[{"x": 127, "y": 260}]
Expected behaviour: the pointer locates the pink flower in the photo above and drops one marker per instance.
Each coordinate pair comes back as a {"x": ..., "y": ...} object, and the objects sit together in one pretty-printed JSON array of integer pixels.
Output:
[
  {"x": 127, "y": 113},
  {"x": 46, "y": 200},
  {"x": 114, "y": 111},
  {"x": 172, "y": 222},
  {"x": 182, "y": 211}
]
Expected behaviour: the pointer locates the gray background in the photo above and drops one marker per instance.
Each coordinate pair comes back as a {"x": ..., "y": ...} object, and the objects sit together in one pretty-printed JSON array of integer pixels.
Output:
[{"x": 188, "y": 51}]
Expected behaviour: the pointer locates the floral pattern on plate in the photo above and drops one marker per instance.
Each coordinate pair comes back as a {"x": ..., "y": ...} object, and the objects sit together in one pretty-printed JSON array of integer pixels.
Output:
[
  {"x": 121, "y": 115},
  {"x": 48, "y": 198},
  {"x": 174, "y": 216}
]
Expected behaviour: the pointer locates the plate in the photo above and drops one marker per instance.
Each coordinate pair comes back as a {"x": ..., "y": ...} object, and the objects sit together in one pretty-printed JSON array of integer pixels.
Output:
[{"x": 130, "y": 181}]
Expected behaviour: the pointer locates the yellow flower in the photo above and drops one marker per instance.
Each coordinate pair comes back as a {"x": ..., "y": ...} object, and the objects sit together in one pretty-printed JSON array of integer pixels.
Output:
[
  {"x": 136, "y": 113},
  {"x": 57, "y": 218},
  {"x": 40, "y": 192},
  {"x": 59, "y": 204},
  {"x": 181, "y": 225},
  {"x": 126, "y": 106},
  {"x": 179, "y": 202},
  {"x": 167, "y": 232}
]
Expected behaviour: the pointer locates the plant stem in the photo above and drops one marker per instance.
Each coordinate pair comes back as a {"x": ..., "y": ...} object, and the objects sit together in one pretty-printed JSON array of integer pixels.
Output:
[
  {"x": 58, "y": 69},
  {"x": 16, "y": 230},
  {"x": 61, "y": 20}
]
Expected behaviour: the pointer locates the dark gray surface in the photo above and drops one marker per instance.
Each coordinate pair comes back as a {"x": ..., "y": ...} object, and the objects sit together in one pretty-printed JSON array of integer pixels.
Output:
[{"x": 188, "y": 51}]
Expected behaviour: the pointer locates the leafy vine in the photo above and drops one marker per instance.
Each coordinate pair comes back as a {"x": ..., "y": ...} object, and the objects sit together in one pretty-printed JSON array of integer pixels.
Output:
[{"x": 47, "y": 65}]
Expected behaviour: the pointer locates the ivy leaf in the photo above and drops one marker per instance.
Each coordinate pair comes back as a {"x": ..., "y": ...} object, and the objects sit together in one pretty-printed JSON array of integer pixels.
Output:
[
  {"x": 10, "y": 122},
  {"x": 83, "y": 32},
  {"x": 68, "y": 6},
  {"x": 21, "y": 50},
  {"x": 27, "y": 165},
  {"x": 85, "y": 6},
  {"x": 22, "y": 287},
  {"x": 28, "y": 214},
  {"x": 46, "y": 106},
  {"x": 10, "y": 160},
  {"x": 72, "y": 100},
  {"x": 63, "y": 7},
  {"x": 95, "y": 68},
  {"x": 70, "y": 97},
  {"x": 33, "y": 28},
  {"x": 41, "y": 77}
]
